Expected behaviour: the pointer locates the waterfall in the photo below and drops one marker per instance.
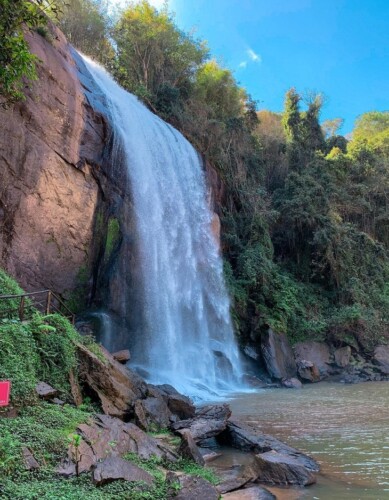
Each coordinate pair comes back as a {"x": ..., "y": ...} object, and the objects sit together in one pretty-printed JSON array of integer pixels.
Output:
[{"x": 186, "y": 338}]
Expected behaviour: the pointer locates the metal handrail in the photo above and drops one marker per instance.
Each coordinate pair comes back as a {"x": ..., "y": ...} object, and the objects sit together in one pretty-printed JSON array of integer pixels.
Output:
[{"x": 49, "y": 306}]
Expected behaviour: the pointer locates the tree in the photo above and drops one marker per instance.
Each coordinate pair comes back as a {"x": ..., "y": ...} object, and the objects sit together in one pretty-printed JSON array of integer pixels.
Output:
[
  {"x": 331, "y": 127},
  {"x": 16, "y": 61},
  {"x": 154, "y": 56},
  {"x": 86, "y": 26}
]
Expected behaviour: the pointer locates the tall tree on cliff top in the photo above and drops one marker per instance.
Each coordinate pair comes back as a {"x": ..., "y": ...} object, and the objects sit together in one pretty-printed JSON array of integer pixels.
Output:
[
  {"x": 86, "y": 25},
  {"x": 156, "y": 60}
]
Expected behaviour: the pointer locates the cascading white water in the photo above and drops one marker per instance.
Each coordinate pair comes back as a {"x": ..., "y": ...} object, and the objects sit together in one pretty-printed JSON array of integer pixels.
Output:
[{"x": 187, "y": 338}]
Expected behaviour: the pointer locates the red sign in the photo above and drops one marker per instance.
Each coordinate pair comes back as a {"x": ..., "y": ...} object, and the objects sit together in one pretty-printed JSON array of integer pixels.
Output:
[{"x": 5, "y": 389}]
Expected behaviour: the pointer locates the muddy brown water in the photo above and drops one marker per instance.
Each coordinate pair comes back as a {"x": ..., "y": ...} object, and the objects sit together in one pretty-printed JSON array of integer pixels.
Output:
[{"x": 344, "y": 427}]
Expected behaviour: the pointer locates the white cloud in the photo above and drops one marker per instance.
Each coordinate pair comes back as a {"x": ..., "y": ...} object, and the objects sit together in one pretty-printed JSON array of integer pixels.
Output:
[
  {"x": 243, "y": 64},
  {"x": 254, "y": 56}
]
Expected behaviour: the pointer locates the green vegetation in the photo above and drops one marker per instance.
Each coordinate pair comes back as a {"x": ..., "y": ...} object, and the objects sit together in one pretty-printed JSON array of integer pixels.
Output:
[
  {"x": 41, "y": 349},
  {"x": 113, "y": 235},
  {"x": 16, "y": 61}
]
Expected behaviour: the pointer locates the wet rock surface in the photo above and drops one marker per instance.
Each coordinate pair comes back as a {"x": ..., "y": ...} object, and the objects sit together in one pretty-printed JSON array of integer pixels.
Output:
[
  {"x": 188, "y": 448},
  {"x": 208, "y": 422},
  {"x": 277, "y": 468},
  {"x": 246, "y": 438},
  {"x": 292, "y": 383},
  {"x": 318, "y": 353},
  {"x": 278, "y": 355}
]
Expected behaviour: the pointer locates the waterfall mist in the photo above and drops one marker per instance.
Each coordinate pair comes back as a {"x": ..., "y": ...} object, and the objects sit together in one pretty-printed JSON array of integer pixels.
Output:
[{"x": 186, "y": 338}]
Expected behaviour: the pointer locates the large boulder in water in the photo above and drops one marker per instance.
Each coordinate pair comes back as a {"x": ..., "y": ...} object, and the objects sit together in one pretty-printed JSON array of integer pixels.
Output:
[
  {"x": 318, "y": 353},
  {"x": 278, "y": 355},
  {"x": 275, "y": 468},
  {"x": 209, "y": 421},
  {"x": 247, "y": 438}
]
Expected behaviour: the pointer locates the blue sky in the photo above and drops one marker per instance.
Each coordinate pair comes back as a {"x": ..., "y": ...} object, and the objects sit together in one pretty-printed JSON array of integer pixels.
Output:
[{"x": 338, "y": 47}]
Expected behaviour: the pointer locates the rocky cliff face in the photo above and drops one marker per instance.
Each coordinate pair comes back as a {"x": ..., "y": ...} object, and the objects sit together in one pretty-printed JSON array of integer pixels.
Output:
[
  {"x": 48, "y": 189},
  {"x": 64, "y": 204}
]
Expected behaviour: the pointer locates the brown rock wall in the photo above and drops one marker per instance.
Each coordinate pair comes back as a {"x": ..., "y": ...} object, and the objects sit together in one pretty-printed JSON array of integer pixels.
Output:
[{"x": 48, "y": 194}]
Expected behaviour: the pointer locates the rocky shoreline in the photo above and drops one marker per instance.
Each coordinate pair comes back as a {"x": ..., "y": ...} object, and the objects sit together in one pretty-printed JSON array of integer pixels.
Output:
[
  {"x": 145, "y": 422},
  {"x": 275, "y": 363},
  {"x": 157, "y": 422}
]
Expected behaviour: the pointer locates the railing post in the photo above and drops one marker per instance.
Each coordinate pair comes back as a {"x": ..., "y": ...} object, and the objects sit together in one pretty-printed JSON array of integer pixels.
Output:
[
  {"x": 48, "y": 302},
  {"x": 21, "y": 308}
]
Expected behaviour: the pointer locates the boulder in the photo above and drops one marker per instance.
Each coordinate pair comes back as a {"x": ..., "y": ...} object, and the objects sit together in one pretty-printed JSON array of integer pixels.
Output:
[
  {"x": 152, "y": 413},
  {"x": 110, "y": 437},
  {"x": 381, "y": 358},
  {"x": 122, "y": 356},
  {"x": 29, "y": 460},
  {"x": 278, "y": 355},
  {"x": 308, "y": 370},
  {"x": 292, "y": 383},
  {"x": 114, "y": 468},
  {"x": 188, "y": 448},
  {"x": 276, "y": 468},
  {"x": 208, "y": 422},
  {"x": 190, "y": 488},
  {"x": 45, "y": 391},
  {"x": 116, "y": 387},
  {"x": 232, "y": 478},
  {"x": 252, "y": 493},
  {"x": 317, "y": 353},
  {"x": 342, "y": 356},
  {"x": 67, "y": 468},
  {"x": 58, "y": 402},
  {"x": 253, "y": 381},
  {"x": 232, "y": 484},
  {"x": 179, "y": 405},
  {"x": 247, "y": 438}
]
